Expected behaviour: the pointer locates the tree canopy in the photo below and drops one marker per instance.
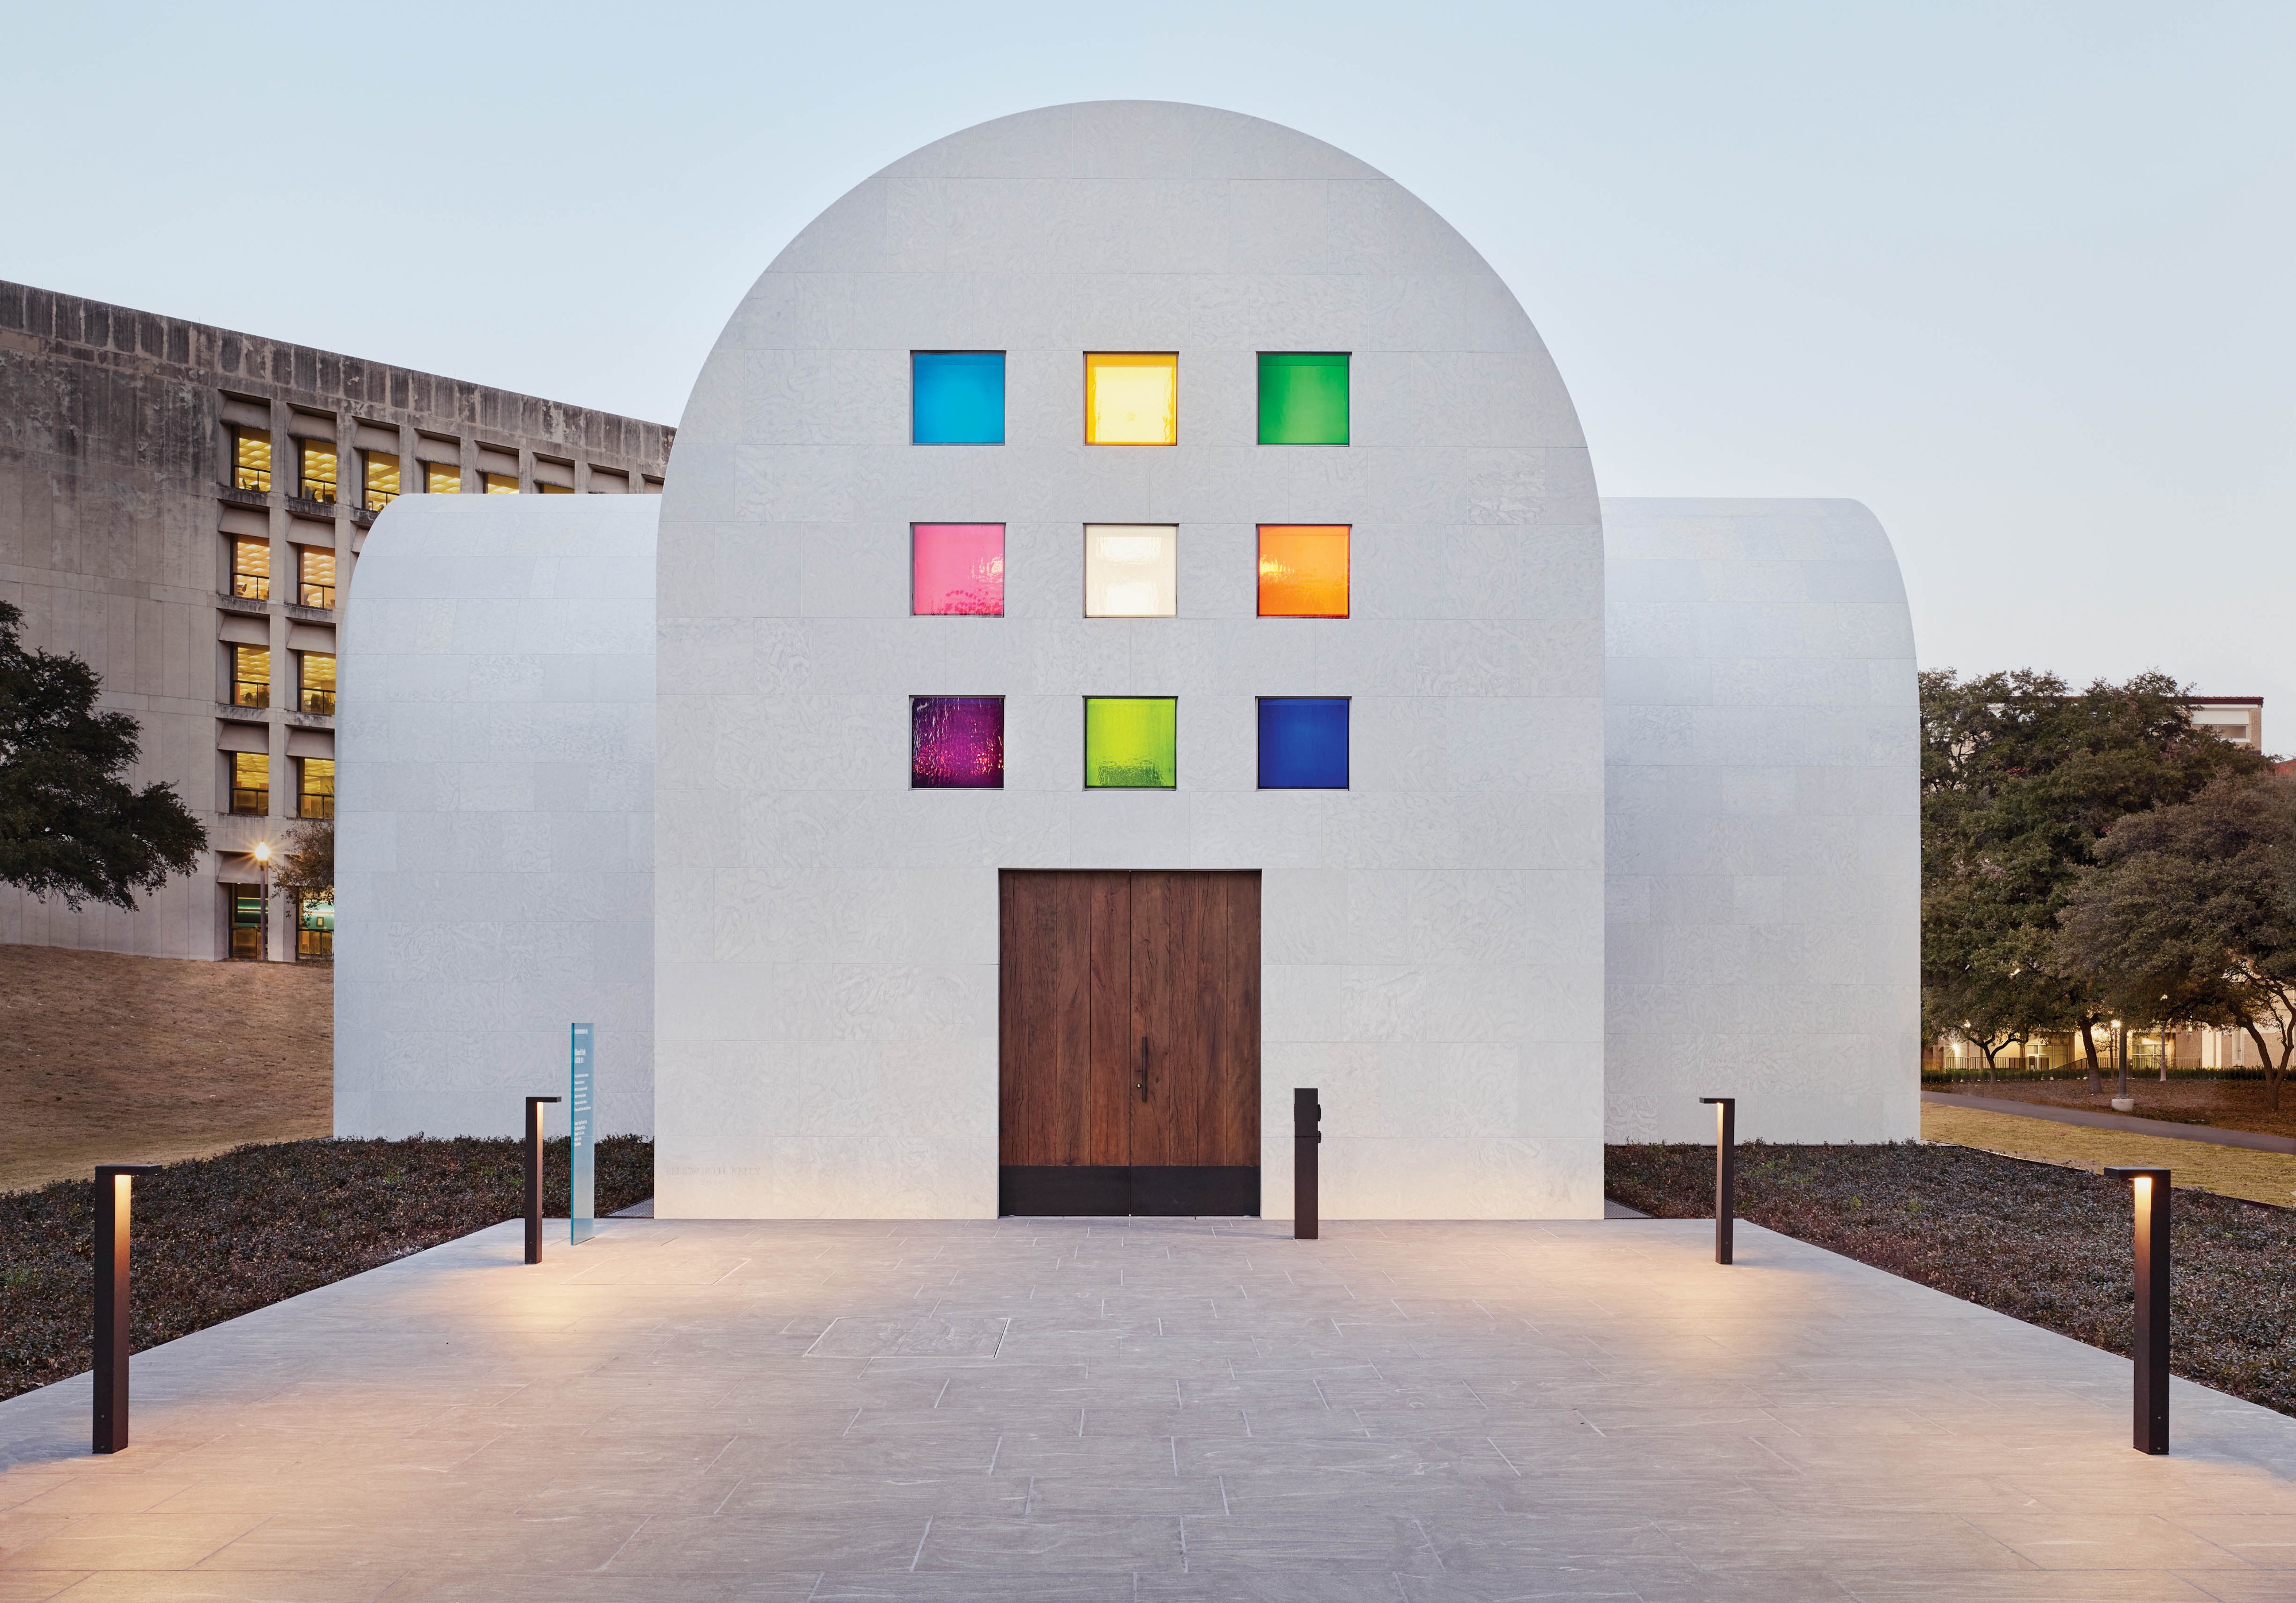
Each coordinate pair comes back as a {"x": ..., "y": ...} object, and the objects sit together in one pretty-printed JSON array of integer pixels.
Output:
[
  {"x": 70, "y": 824},
  {"x": 2021, "y": 778},
  {"x": 2192, "y": 908}
]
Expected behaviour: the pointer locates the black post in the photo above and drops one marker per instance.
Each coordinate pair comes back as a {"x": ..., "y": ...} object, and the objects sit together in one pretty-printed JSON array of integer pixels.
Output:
[
  {"x": 533, "y": 1107},
  {"x": 114, "y": 1186},
  {"x": 1726, "y": 1171},
  {"x": 2151, "y": 1347},
  {"x": 1307, "y": 1135}
]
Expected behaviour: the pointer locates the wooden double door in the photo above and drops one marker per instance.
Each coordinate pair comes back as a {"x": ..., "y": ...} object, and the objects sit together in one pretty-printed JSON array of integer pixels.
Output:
[{"x": 1128, "y": 1042}]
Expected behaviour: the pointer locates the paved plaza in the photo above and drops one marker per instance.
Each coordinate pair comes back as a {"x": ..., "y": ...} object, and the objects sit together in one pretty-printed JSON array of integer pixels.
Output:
[{"x": 1108, "y": 1410}]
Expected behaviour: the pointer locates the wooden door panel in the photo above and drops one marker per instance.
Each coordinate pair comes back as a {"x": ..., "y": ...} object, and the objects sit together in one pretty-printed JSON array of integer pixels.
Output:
[
  {"x": 1195, "y": 990},
  {"x": 1044, "y": 972},
  {"x": 1108, "y": 1135},
  {"x": 1237, "y": 1067}
]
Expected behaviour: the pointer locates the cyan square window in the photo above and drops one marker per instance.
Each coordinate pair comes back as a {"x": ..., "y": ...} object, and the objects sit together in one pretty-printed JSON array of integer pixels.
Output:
[
  {"x": 957, "y": 397},
  {"x": 1303, "y": 398},
  {"x": 1303, "y": 743}
]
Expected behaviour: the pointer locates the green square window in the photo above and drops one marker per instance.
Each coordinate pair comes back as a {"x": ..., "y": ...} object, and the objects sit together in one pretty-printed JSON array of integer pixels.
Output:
[
  {"x": 1131, "y": 742},
  {"x": 1303, "y": 398}
]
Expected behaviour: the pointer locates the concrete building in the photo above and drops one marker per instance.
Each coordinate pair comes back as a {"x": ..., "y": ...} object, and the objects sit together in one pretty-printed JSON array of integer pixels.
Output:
[
  {"x": 1131, "y": 642},
  {"x": 183, "y": 506}
]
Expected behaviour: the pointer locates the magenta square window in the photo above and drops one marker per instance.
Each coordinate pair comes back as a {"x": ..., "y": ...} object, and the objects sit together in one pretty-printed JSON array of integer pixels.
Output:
[
  {"x": 956, "y": 568},
  {"x": 957, "y": 742}
]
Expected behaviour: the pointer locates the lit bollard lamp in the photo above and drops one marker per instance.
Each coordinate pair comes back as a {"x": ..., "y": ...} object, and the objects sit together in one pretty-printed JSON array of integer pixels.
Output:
[
  {"x": 115, "y": 1185},
  {"x": 2151, "y": 1343},
  {"x": 1307, "y": 1138},
  {"x": 534, "y": 1117},
  {"x": 1726, "y": 1171}
]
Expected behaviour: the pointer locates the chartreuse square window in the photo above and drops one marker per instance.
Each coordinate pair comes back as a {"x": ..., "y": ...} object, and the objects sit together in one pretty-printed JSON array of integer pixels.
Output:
[
  {"x": 1131, "y": 398},
  {"x": 1303, "y": 570},
  {"x": 957, "y": 397},
  {"x": 1131, "y": 743},
  {"x": 1303, "y": 743},
  {"x": 1303, "y": 398}
]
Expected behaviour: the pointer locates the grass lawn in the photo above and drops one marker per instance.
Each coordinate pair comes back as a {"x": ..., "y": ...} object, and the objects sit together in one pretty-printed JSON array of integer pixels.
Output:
[
  {"x": 2228, "y": 1104},
  {"x": 216, "y": 1237},
  {"x": 123, "y": 1059},
  {"x": 2050, "y": 1245}
]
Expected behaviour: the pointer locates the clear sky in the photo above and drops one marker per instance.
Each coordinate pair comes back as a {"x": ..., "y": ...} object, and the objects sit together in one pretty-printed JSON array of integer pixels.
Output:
[{"x": 2018, "y": 278}]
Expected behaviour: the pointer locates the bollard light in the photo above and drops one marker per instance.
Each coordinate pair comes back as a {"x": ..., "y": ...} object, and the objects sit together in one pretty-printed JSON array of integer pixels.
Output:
[
  {"x": 115, "y": 1185},
  {"x": 1726, "y": 1171},
  {"x": 2150, "y": 1348},
  {"x": 534, "y": 1116},
  {"x": 1306, "y": 1138}
]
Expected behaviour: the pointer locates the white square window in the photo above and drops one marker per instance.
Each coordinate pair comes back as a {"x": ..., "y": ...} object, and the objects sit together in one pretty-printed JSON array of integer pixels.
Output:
[{"x": 1131, "y": 570}]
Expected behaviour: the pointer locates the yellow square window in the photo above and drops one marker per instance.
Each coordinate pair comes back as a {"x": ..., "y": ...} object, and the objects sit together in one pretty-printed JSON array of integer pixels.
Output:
[{"x": 1131, "y": 399}]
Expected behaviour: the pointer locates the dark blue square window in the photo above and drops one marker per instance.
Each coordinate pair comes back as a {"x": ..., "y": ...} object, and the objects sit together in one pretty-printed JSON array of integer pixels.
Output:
[
  {"x": 957, "y": 397},
  {"x": 1303, "y": 743}
]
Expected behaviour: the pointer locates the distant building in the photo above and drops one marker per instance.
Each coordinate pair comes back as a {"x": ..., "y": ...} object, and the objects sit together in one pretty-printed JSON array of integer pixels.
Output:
[
  {"x": 182, "y": 506},
  {"x": 2238, "y": 718}
]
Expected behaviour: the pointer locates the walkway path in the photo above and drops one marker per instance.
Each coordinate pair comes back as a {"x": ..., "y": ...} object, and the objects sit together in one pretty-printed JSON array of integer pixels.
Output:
[
  {"x": 1106, "y": 1411},
  {"x": 2265, "y": 1176},
  {"x": 2256, "y": 1140}
]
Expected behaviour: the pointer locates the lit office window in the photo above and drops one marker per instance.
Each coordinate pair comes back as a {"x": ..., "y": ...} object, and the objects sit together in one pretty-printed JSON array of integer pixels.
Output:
[
  {"x": 251, "y": 676},
  {"x": 382, "y": 480},
  {"x": 318, "y": 475},
  {"x": 251, "y": 568},
  {"x": 315, "y": 787},
  {"x": 957, "y": 397},
  {"x": 315, "y": 929},
  {"x": 1131, "y": 743},
  {"x": 957, "y": 742},
  {"x": 555, "y": 489},
  {"x": 442, "y": 479},
  {"x": 1131, "y": 399},
  {"x": 1303, "y": 570},
  {"x": 1131, "y": 570},
  {"x": 317, "y": 689},
  {"x": 314, "y": 576},
  {"x": 501, "y": 484},
  {"x": 246, "y": 924},
  {"x": 250, "y": 782},
  {"x": 250, "y": 459},
  {"x": 1303, "y": 398},
  {"x": 956, "y": 568},
  {"x": 1303, "y": 743}
]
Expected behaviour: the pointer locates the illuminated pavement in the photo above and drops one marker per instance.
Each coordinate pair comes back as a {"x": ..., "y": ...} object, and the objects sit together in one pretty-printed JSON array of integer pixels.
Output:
[{"x": 1117, "y": 1410}]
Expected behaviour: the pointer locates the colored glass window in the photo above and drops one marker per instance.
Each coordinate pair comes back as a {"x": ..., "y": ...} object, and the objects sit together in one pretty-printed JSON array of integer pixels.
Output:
[
  {"x": 956, "y": 568},
  {"x": 1303, "y": 570},
  {"x": 1303, "y": 743},
  {"x": 1131, "y": 570},
  {"x": 1131, "y": 742},
  {"x": 1131, "y": 399},
  {"x": 957, "y": 742},
  {"x": 1303, "y": 398},
  {"x": 957, "y": 397}
]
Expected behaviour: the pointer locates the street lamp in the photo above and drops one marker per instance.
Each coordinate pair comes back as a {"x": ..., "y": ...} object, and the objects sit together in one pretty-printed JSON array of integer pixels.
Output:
[
  {"x": 115, "y": 1185},
  {"x": 2150, "y": 1348},
  {"x": 262, "y": 855}
]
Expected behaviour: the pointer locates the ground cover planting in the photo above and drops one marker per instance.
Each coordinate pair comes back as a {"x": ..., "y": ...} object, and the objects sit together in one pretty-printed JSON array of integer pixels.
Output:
[
  {"x": 2050, "y": 1245},
  {"x": 216, "y": 1237}
]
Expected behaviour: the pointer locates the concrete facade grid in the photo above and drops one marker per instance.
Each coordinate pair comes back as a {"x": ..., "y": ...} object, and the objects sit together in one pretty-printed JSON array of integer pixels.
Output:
[{"x": 827, "y": 938}]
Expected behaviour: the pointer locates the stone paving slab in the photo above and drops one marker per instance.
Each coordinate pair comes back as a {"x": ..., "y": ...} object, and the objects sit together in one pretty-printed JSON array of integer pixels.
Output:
[{"x": 1114, "y": 1410}]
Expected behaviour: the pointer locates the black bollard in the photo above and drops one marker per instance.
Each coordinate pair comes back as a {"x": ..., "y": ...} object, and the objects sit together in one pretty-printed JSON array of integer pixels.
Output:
[
  {"x": 2151, "y": 1346},
  {"x": 533, "y": 1107},
  {"x": 1307, "y": 1136},
  {"x": 115, "y": 1186},
  {"x": 1725, "y": 1172}
]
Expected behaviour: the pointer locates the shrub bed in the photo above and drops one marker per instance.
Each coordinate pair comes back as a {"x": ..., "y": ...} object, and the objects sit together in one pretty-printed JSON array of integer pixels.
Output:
[
  {"x": 216, "y": 1237},
  {"x": 2052, "y": 1247}
]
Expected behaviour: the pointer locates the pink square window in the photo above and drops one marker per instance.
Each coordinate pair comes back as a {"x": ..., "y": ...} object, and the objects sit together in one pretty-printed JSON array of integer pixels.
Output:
[{"x": 956, "y": 568}]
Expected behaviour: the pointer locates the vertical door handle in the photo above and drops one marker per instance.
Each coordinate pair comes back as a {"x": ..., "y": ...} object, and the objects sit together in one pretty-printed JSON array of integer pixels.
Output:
[{"x": 1144, "y": 1069}]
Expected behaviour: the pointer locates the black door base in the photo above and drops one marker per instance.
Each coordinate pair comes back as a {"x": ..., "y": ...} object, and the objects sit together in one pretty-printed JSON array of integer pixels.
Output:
[{"x": 1145, "y": 1191}]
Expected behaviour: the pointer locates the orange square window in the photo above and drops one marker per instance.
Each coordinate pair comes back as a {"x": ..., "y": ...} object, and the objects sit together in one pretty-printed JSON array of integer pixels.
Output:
[{"x": 1303, "y": 570}]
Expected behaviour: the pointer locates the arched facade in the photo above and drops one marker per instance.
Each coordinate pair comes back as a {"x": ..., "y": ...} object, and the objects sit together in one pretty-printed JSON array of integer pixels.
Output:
[{"x": 834, "y": 914}]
